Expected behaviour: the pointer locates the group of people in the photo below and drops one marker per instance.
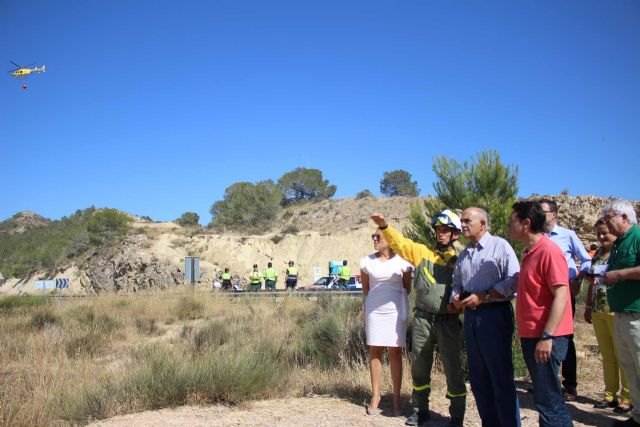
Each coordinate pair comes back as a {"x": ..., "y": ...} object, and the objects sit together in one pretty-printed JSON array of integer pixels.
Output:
[
  {"x": 269, "y": 275},
  {"x": 481, "y": 280}
]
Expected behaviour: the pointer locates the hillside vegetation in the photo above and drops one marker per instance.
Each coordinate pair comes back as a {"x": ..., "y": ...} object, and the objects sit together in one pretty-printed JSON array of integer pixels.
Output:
[{"x": 151, "y": 255}]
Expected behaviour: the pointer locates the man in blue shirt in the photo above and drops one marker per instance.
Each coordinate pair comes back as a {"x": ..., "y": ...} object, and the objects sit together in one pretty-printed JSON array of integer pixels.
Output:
[
  {"x": 484, "y": 283},
  {"x": 573, "y": 249}
]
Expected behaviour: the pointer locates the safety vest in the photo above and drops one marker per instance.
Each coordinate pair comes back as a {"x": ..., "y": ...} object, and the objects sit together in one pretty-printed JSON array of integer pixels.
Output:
[
  {"x": 226, "y": 276},
  {"x": 270, "y": 274},
  {"x": 292, "y": 273},
  {"x": 434, "y": 270},
  {"x": 433, "y": 282},
  {"x": 344, "y": 272},
  {"x": 255, "y": 276}
]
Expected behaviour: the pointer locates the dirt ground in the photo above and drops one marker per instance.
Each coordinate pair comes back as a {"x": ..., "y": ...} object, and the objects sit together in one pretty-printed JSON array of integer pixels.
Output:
[{"x": 329, "y": 411}]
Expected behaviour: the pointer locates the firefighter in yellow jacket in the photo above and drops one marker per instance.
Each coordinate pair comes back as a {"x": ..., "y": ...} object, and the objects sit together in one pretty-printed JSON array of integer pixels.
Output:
[{"x": 436, "y": 323}]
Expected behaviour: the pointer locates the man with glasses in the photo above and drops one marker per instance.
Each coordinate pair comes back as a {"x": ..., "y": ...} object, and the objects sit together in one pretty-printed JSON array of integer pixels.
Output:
[
  {"x": 484, "y": 283},
  {"x": 436, "y": 323},
  {"x": 573, "y": 249},
  {"x": 623, "y": 294}
]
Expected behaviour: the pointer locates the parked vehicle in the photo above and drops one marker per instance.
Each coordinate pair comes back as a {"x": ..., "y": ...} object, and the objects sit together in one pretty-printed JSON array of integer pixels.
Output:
[{"x": 328, "y": 283}]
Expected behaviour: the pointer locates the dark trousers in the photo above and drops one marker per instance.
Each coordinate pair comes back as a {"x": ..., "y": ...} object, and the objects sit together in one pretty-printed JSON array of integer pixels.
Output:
[
  {"x": 291, "y": 283},
  {"x": 444, "y": 332},
  {"x": 547, "y": 393},
  {"x": 488, "y": 332},
  {"x": 569, "y": 366}
]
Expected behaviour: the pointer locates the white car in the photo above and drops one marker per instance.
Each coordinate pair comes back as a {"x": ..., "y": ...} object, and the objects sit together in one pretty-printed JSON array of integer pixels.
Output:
[{"x": 327, "y": 283}]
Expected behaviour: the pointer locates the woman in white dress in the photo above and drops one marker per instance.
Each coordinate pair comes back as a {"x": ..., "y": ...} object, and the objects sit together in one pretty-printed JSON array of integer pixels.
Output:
[{"x": 386, "y": 282}]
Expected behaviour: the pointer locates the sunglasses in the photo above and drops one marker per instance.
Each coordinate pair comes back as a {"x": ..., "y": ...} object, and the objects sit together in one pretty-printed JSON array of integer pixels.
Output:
[{"x": 376, "y": 237}]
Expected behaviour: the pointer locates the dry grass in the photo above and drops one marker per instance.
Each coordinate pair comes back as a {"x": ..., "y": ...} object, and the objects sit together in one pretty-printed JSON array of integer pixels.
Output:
[{"x": 70, "y": 361}]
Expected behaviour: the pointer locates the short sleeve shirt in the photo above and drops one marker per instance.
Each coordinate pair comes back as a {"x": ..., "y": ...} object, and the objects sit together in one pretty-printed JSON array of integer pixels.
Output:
[
  {"x": 624, "y": 296},
  {"x": 543, "y": 267}
]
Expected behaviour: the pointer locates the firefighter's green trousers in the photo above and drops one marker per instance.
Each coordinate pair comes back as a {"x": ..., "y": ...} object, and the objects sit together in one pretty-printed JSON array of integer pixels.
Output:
[{"x": 444, "y": 332}]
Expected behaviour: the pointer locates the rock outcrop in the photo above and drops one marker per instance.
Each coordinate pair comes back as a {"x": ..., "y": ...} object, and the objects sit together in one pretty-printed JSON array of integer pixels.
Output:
[{"x": 129, "y": 269}]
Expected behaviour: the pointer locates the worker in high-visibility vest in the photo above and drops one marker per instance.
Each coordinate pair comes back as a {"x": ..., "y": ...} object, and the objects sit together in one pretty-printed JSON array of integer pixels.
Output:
[
  {"x": 255, "y": 279},
  {"x": 292, "y": 276},
  {"x": 226, "y": 279},
  {"x": 436, "y": 322},
  {"x": 344, "y": 274},
  {"x": 270, "y": 276}
]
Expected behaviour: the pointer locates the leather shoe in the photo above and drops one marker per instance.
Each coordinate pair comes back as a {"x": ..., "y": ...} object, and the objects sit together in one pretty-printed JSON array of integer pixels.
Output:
[
  {"x": 622, "y": 409},
  {"x": 606, "y": 404},
  {"x": 570, "y": 394}
]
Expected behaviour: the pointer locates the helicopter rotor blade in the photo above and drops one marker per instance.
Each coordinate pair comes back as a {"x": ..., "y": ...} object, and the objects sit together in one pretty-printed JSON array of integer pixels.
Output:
[{"x": 19, "y": 66}]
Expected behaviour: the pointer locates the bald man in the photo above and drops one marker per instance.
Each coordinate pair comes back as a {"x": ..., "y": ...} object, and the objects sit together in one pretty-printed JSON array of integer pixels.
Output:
[{"x": 484, "y": 283}]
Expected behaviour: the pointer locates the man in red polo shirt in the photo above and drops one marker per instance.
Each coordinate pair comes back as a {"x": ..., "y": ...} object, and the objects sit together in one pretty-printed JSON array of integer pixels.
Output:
[{"x": 543, "y": 312}]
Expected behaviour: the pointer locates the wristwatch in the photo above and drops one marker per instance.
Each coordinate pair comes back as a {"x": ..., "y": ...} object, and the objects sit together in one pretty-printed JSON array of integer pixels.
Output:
[{"x": 546, "y": 336}]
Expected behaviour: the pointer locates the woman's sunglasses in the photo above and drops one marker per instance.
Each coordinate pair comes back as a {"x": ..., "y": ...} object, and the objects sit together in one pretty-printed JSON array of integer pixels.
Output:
[{"x": 376, "y": 237}]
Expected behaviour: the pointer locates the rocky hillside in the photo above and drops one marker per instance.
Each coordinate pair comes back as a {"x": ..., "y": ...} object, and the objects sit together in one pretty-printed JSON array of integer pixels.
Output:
[
  {"x": 311, "y": 235},
  {"x": 23, "y": 221}
]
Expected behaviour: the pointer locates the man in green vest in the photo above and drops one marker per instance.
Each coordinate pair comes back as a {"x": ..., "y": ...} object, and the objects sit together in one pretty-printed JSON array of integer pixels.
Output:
[
  {"x": 292, "y": 276},
  {"x": 226, "y": 279},
  {"x": 255, "y": 279},
  {"x": 436, "y": 323},
  {"x": 270, "y": 277},
  {"x": 344, "y": 274}
]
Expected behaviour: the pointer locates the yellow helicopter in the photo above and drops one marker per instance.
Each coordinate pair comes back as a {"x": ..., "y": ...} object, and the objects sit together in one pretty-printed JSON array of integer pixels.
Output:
[{"x": 25, "y": 71}]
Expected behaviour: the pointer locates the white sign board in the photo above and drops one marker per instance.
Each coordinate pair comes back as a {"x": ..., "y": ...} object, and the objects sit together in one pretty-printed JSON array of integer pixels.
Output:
[{"x": 317, "y": 273}]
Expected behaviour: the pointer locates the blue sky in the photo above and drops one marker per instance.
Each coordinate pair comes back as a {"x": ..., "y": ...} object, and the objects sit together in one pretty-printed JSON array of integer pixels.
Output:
[{"x": 155, "y": 107}]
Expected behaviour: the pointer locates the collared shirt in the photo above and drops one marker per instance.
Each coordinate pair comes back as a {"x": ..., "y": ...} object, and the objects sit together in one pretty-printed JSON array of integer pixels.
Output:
[
  {"x": 489, "y": 264},
  {"x": 543, "y": 268},
  {"x": 624, "y": 296},
  {"x": 572, "y": 248}
]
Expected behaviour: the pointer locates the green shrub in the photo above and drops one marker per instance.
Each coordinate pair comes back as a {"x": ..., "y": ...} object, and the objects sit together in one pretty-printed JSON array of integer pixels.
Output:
[
  {"x": 320, "y": 343},
  {"x": 163, "y": 377},
  {"x": 214, "y": 334},
  {"x": 363, "y": 194},
  {"x": 45, "y": 247},
  {"x": 122, "y": 303},
  {"x": 16, "y": 302},
  {"x": 147, "y": 326},
  {"x": 189, "y": 308},
  {"x": 107, "y": 225},
  {"x": 89, "y": 344},
  {"x": 100, "y": 324},
  {"x": 42, "y": 318}
]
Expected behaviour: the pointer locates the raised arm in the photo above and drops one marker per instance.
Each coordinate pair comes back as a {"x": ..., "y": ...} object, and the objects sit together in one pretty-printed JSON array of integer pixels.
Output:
[{"x": 408, "y": 249}]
